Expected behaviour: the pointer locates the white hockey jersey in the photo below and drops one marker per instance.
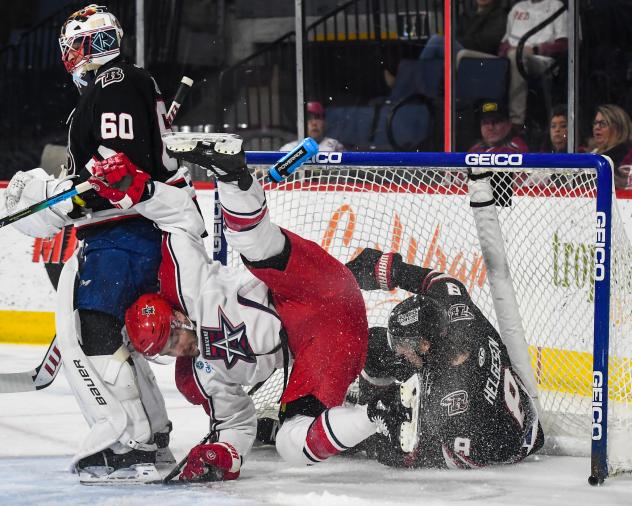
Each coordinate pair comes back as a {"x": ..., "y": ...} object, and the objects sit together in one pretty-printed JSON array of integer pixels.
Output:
[{"x": 238, "y": 328}]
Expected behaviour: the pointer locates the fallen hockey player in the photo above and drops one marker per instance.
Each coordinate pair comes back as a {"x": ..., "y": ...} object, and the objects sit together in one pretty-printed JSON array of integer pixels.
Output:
[{"x": 231, "y": 327}]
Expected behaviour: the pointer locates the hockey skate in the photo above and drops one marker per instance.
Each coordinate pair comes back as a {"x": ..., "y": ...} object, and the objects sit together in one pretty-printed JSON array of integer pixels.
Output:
[
  {"x": 164, "y": 456},
  {"x": 224, "y": 155},
  {"x": 107, "y": 467},
  {"x": 396, "y": 413}
]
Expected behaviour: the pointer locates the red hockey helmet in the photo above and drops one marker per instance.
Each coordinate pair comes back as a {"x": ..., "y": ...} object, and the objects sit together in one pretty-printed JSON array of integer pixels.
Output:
[{"x": 148, "y": 323}]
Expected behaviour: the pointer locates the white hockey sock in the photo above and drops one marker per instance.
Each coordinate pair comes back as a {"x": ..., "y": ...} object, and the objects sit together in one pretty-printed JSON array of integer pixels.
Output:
[
  {"x": 337, "y": 429},
  {"x": 307, "y": 440},
  {"x": 248, "y": 226}
]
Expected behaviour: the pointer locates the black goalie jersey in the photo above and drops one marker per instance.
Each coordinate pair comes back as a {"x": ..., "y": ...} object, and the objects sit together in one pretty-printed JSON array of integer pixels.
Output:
[
  {"x": 122, "y": 110},
  {"x": 475, "y": 411}
]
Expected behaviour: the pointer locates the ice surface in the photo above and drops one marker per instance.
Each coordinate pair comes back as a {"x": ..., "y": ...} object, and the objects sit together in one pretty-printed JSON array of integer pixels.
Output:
[{"x": 40, "y": 430}]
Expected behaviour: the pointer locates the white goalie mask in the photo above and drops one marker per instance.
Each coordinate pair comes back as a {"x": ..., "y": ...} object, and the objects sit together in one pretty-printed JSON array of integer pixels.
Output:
[{"x": 89, "y": 38}]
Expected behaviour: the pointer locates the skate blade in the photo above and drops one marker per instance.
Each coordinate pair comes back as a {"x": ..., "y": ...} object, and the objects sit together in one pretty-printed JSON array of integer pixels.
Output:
[
  {"x": 181, "y": 142},
  {"x": 410, "y": 392},
  {"x": 228, "y": 146},
  {"x": 135, "y": 474}
]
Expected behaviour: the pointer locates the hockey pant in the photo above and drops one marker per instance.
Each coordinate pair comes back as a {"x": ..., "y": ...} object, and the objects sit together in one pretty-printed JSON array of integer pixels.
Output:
[{"x": 108, "y": 388}]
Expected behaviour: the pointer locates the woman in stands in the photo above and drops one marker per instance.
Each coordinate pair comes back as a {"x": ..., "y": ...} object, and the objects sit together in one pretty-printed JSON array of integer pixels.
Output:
[{"x": 612, "y": 137}]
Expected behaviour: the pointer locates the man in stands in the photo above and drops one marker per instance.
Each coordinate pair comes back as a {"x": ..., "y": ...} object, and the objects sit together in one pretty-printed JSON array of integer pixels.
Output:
[
  {"x": 316, "y": 128},
  {"x": 497, "y": 133},
  {"x": 475, "y": 410},
  {"x": 230, "y": 327},
  {"x": 540, "y": 49}
]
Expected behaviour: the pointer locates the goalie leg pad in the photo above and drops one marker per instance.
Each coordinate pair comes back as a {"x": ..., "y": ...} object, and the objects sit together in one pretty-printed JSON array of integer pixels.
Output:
[
  {"x": 122, "y": 384},
  {"x": 104, "y": 385},
  {"x": 150, "y": 395}
]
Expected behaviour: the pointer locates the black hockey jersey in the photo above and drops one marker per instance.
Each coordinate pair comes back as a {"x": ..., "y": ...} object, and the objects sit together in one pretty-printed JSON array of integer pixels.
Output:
[
  {"x": 122, "y": 110},
  {"x": 475, "y": 412}
]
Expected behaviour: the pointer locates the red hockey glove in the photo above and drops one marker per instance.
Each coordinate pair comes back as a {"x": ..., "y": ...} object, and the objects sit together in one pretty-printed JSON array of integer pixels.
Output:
[
  {"x": 212, "y": 462},
  {"x": 374, "y": 269},
  {"x": 117, "y": 179}
]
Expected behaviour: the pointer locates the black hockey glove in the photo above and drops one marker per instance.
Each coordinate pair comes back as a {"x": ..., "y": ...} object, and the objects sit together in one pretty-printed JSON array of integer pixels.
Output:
[{"x": 374, "y": 269}]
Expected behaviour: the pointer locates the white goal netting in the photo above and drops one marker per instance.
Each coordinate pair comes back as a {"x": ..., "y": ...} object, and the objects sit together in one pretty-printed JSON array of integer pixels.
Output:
[{"x": 548, "y": 224}]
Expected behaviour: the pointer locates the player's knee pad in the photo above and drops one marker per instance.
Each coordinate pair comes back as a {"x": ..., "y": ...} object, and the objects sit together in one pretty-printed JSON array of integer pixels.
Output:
[{"x": 291, "y": 437}]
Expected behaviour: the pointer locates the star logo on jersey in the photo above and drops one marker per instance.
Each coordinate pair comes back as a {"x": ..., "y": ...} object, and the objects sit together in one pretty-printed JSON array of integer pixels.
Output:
[
  {"x": 457, "y": 402},
  {"x": 227, "y": 342}
]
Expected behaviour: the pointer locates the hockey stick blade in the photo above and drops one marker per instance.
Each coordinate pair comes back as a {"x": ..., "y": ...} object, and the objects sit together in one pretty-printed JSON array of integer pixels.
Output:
[{"x": 36, "y": 379}]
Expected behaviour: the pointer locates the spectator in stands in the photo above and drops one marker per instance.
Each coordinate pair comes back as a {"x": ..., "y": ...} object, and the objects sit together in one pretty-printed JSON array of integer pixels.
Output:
[
  {"x": 316, "y": 130},
  {"x": 540, "y": 49},
  {"x": 477, "y": 35},
  {"x": 497, "y": 133},
  {"x": 612, "y": 136},
  {"x": 556, "y": 141},
  {"x": 498, "y": 136}
]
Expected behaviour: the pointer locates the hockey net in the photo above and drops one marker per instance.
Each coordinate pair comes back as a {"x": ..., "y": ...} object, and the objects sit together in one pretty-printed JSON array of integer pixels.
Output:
[{"x": 548, "y": 225}]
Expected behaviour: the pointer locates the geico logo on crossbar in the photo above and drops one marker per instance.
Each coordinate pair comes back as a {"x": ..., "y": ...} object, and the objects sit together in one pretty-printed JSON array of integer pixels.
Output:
[
  {"x": 493, "y": 159},
  {"x": 327, "y": 157}
]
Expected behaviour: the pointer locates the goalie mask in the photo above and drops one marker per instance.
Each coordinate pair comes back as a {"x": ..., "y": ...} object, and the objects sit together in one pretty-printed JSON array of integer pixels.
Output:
[
  {"x": 418, "y": 319},
  {"x": 89, "y": 38},
  {"x": 149, "y": 323}
]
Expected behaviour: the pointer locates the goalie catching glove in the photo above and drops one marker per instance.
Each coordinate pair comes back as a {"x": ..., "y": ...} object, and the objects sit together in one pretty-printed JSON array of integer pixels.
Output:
[
  {"x": 31, "y": 187},
  {"x": 374, "y": 269},
  {"x": 225, "y": 157},
  {"x": 212, "y": 462},
  {"x": 118, "y": 180}
]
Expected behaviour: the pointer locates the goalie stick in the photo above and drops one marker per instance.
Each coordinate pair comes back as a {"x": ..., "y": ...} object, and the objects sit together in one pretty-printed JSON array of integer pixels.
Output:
[{"x": 45, "y": 373}]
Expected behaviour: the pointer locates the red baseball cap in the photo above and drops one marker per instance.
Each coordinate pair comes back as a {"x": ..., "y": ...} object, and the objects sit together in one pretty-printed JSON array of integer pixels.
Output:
[{"x": 316, "y": 108}]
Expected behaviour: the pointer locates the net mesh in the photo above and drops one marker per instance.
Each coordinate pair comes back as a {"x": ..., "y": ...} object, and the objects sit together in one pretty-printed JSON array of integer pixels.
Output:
[{"x": 548, "y": 225}]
